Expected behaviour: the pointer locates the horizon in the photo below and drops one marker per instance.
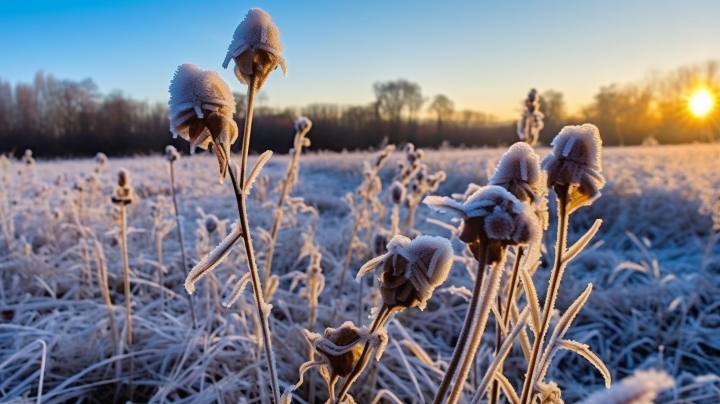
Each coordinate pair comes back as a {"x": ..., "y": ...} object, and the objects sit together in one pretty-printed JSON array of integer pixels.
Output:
[{"x": 479, "y": 66}]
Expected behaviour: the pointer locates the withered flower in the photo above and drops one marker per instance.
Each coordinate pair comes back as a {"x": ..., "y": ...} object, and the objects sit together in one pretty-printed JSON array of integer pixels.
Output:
[
  {"x": 491, "y": 215},
  {"x": 256, "y": 48},
  {"x": 575, "y": 165},
  {"x": 201, "y": 111},
  {"x": 123, "y": 193},
  {"x": 411, "y": 270}
]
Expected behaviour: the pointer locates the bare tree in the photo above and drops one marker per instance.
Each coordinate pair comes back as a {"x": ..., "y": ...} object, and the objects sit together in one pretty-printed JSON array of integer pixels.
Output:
[{"x": 443, "y": 108}]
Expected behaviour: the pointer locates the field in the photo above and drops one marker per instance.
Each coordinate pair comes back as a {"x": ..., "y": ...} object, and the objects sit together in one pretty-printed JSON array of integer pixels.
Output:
[{"x": 655, "y": 266}]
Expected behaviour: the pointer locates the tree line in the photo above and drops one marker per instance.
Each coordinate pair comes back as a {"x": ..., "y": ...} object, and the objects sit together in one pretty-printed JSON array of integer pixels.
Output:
[{"x": 62, "y": 118}]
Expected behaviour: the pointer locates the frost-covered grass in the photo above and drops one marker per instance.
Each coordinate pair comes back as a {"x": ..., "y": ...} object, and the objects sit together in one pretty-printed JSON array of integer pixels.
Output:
[{"x": 655, "y": 266}]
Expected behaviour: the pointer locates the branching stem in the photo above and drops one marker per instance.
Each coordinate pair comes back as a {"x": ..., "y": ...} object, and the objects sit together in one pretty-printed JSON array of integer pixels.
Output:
[{"x": 240, "y": 196}]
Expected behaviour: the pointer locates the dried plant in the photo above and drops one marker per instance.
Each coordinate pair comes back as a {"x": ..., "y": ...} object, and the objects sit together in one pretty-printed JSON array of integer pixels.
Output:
[
  {"x": 201, "y": 108},
  {"x": 122, "y": 197},
  {"x": 302, "y": 127},
  {"x": 531, "y": 122}
]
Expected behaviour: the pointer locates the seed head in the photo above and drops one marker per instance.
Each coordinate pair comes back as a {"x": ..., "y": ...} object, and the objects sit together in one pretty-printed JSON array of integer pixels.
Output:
[
  {"x": 519, "y": 172},
  {"x": 123, "y": 192},
  {"x": 397, "y": 191},
  {"x": 303, "y": 124},
  {"x": 411, "y": 270},
  {"x": 342, "y": 362},
  {"x": 101, "y": 159},
  {"x": 491, "y": 215},
  {"x": 201, "y": 111},
  {"x": 576, "y": 163},
  {"x": 256, "y": 48},
  {"x": 171, "y": 153}
]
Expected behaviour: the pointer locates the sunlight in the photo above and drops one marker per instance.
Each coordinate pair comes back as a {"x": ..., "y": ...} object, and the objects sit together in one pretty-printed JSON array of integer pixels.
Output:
[{"x": 701, "y": 103}]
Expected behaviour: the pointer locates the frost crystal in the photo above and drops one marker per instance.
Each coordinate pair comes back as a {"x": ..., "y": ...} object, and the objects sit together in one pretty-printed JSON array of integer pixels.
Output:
[{"x": 256, "y": 48}]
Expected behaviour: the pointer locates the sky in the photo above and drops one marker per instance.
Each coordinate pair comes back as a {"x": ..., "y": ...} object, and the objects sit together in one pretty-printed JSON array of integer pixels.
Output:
[{"x": 483, "y": 55}]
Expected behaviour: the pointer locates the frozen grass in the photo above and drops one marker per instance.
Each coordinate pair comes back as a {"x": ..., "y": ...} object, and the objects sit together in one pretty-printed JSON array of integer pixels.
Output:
[{"x": 655, "y": 266}]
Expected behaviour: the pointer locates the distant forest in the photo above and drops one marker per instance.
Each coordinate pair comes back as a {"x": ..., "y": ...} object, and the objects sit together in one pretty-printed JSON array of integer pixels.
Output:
[{"x": 63, "y": 118}]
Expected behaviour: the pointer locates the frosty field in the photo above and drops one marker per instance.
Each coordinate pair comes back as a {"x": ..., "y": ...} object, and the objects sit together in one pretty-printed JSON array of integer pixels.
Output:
[{"x": 655, "y": 266}]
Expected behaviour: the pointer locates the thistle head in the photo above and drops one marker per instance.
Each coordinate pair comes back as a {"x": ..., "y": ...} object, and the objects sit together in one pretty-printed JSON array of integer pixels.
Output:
[
  {"x": 411, "y": 270},
  {"x": 575, "y": 165},
  {"x": 256, "y": 48},
  {"x": 171, "y": 153},
  {"x": 493, "y": 216},
  {"x": 201, "y": 111}
]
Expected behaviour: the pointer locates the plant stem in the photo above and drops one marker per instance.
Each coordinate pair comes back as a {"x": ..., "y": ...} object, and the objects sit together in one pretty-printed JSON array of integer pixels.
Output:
[
  {"x": 486, "y": 299},
  {"x": 126, "y": 278},
  {"x": 551, "y": 295},
  {"x": 379, "y": 321},
  {"x": 240, "y": 196},
  {"x": 279, "y": 210},
  {"x": 464, "y": 333},
  {"x": 512, "y": 285},
  {"x": 182, "y": 244}
]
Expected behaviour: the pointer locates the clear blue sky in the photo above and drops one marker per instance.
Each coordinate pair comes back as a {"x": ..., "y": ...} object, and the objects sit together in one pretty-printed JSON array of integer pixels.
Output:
[{"x": 483, "y": 55}]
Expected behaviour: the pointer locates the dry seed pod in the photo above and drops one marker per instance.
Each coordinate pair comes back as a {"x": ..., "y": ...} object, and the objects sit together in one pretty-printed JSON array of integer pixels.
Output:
[
  {"x": 171, "y": 153},
  {"x": 491, "y": 215},
  {"x": 303, "y": 124},
  {"x": 397, "y": 191},
  {"x": 123, "y": 192},
  {"x": 576, "y": 163},
  {"x": 411, "y": 270},
  {"x": 256, "y": 48},
  {"x": 201, "y": 111}
]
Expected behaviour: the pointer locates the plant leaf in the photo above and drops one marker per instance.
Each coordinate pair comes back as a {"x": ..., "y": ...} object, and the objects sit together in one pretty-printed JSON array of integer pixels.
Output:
[
  {"x": 584, "y": 351},
  {"x": 259, "y": 164},
  {"x": 579, "y": 245}
]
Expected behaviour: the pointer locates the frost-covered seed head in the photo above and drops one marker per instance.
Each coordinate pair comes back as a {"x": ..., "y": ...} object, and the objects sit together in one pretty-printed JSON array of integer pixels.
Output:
[
  {"x": 519, "y": 172},
  {"x": 171, "y": 153},
  {"x": 303, "y": 124},
  {"x": 211, "y": 223},
  {"x": 123, "y": 192},
  {"x": 256, "y": 48},
  {"x": 576, "y": 163},
  {"x": 101, "y": 159},
  {"x": 28, "y": 157},
  {"x": 201, "y": 111},
  {"x": 347, "y": 334},
  {"x": 397, "y": 191},
  {"x": 411, "y": 270},
  {"x": 491, "y": 215},
  {"x": 123, "y": 178}
]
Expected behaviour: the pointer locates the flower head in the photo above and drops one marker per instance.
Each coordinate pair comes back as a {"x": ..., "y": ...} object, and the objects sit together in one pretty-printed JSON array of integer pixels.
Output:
[
  {"x": 256, "y": 48},
  {"x": 171, "y": 153},
  {"x": 201, "y": 111},
  {"x": 519, "y": 172},
  {"x": 303, "y": 124},
  {"x": 576, "y": 164},
  {"x": 123, "y": 192},
  {"x": 491, "y": 215},
  {"x": 411, "y": 270}
]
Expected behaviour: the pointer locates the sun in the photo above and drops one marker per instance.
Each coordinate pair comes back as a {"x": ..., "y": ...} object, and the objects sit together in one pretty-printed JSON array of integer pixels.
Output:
[{"x": 701, "y": 103}]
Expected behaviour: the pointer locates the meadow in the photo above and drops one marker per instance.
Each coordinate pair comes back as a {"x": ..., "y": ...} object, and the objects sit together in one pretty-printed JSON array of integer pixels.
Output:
[{"x": 654, "y": 264}]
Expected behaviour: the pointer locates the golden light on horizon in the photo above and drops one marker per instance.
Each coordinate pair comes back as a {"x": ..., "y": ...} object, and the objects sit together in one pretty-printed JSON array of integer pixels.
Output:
[{"x": 701, "y": 103}]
